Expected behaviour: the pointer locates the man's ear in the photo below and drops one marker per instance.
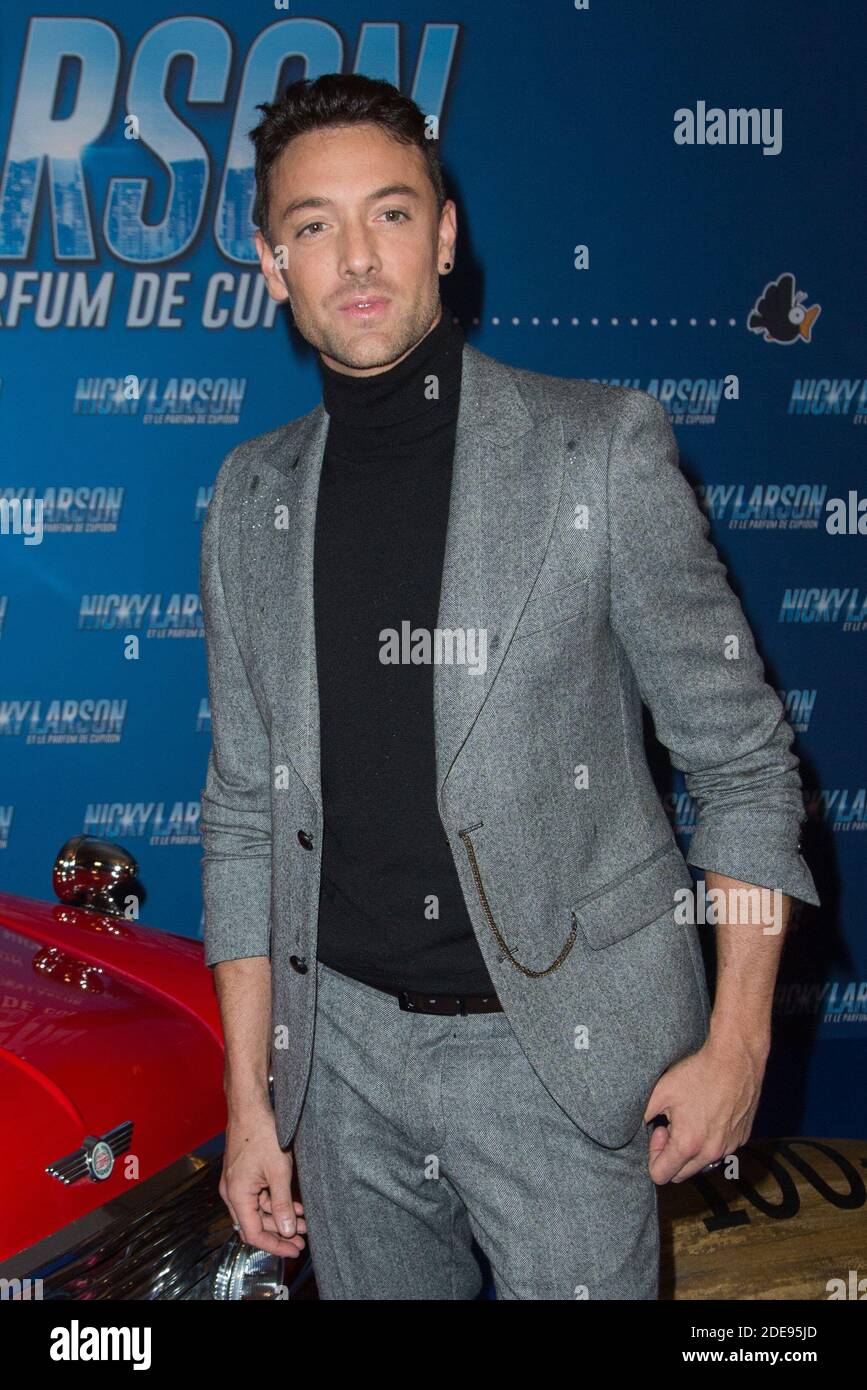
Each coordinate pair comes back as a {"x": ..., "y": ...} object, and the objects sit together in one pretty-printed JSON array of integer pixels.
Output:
[{"x": 271, "y": 269}]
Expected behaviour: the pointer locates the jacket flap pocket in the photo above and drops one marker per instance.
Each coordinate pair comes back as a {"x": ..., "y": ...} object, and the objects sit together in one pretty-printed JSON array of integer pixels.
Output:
[{"x": 635, "y": 900}]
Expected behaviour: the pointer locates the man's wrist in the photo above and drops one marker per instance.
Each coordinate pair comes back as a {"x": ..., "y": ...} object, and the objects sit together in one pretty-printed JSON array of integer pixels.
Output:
[
  {"x": 247, "y": 1099},
  {"x": 730, "y": 1033}
]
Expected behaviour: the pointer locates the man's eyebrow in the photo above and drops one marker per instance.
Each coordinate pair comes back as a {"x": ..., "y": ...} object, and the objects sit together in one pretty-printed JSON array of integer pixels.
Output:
[{"x": 389, "y": 190}]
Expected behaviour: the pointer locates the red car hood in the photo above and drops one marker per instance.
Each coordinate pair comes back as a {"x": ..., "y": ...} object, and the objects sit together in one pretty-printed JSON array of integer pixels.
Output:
[{"x": 102, "y": 1021}]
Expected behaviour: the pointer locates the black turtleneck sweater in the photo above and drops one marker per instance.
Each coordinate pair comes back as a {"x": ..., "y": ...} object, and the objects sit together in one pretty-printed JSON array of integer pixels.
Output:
[{"x": 391, "y": 909}]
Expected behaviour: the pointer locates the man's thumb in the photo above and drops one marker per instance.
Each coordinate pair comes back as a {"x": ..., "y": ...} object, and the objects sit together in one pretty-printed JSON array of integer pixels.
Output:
[
  {"x": 658, "y": 1140},
  {"x": 283, "y": 1213}
]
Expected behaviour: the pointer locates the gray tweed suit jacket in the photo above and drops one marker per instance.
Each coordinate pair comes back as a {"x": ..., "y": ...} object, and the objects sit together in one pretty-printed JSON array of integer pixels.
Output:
[{"x": 576, "y": 543}]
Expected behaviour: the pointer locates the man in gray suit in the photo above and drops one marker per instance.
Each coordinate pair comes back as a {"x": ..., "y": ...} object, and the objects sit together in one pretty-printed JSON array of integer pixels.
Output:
[{"x": 444, "y": 904}]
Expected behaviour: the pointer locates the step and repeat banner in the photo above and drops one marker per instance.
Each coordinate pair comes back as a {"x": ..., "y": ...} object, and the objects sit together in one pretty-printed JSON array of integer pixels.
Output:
[{"x": 664, "y": 195}]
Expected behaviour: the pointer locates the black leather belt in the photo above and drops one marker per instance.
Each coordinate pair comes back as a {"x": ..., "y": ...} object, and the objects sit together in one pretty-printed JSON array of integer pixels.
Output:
[{"x": 416, "y": 1002}]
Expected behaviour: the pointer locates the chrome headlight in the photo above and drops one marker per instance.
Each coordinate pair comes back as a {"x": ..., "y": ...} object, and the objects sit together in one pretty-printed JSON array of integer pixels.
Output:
[{"x": 247, "y": 1273}]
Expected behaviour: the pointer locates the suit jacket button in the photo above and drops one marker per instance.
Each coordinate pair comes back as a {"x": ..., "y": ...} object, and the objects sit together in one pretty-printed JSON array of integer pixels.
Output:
[
  {"x": 304, "y": 839},
  {"x": 298, "y": 963}
]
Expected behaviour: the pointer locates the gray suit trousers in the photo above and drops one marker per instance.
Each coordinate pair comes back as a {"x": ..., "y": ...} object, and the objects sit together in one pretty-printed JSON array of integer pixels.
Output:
[{"x": 422, "y": 1132}]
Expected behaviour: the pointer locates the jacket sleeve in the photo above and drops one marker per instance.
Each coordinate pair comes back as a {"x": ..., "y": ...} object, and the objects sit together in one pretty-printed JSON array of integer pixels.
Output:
[
  {"x": 675, "y": 614},
  {"x": 235, "y": 803}
]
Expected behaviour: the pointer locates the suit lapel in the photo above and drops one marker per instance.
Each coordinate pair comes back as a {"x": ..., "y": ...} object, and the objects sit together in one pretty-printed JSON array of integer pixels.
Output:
[
  {"x": 506, "y": 481},
  {"x": 507, "y": 474},
  {"x": 277, "y": 534}
]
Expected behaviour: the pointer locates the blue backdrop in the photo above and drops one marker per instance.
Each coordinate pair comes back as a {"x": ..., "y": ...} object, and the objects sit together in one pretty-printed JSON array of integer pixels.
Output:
[{"x": 618, "y": 219}]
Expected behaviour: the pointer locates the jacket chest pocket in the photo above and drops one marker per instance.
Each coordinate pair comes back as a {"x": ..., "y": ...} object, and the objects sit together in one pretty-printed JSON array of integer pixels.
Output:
[{"x": 552, "y": 607}]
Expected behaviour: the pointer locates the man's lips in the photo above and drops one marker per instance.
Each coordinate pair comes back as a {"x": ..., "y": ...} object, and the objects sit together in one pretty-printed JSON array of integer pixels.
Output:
[{"x": 362, "y": 308}]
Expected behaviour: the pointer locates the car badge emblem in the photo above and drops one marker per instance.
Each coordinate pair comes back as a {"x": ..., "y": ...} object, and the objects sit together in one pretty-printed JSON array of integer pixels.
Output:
[{"x": 95, "y": 1158}]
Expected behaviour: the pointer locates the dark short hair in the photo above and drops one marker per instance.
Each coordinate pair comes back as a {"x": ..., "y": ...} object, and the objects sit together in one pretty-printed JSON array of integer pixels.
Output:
[{"x": 337, "y": 99}]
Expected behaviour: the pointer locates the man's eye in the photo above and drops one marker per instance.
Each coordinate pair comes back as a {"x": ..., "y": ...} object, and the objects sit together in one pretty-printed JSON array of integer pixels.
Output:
[{"x": 400, "y": 212}]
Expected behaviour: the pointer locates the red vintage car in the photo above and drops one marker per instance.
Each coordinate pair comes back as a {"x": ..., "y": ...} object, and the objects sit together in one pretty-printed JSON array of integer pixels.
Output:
[{"x": 111, "y": 1128}]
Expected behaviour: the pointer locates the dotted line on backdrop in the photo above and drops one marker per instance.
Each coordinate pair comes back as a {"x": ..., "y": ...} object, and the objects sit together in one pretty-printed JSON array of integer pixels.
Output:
[{"x": 594, "y": 322}]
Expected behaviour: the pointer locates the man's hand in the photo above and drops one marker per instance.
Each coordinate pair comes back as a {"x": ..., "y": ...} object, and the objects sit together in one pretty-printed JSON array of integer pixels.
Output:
[
  {"x": 256, "y": 1185},
  {"x": 710, "y": 1099}
]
